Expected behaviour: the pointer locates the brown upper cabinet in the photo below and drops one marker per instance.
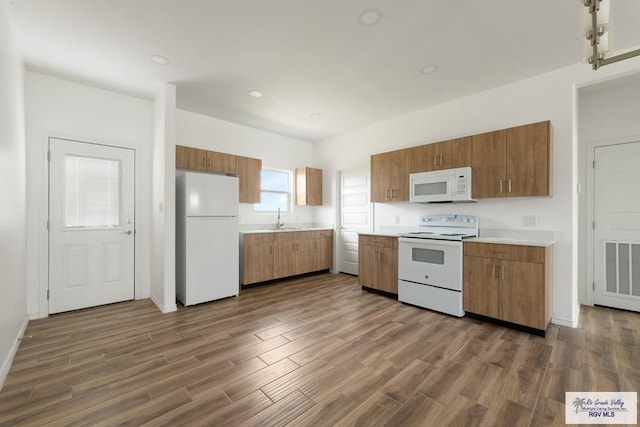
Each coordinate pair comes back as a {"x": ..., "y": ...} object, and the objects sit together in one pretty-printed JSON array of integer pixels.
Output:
[
  {"x": 245, "y": 168},
  {"x": 308, "y": 186},
  {"x": 191, "y": 158},
  {"x": 390, "y": 176},
  {"x": 513, "y": 162},
  {"x": 455, "y": 153},
  {"x": 249, "y": 170},
  {"x": 221, "y": 163}
]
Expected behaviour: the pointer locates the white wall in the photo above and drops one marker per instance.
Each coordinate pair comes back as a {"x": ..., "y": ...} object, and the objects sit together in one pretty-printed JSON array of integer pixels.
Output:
[
  {"x": 276, "y": 151},
  {"x": 63, "y": 109},
  {"x": 550, "y": 96},
  {"x": 163, "y": 241},
  {"x": 608, "y": 112},
  {"x": 13, "y": 291}
]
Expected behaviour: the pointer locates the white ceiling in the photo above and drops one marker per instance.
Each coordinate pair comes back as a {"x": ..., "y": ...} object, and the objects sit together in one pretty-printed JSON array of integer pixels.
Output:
[{"x": 306, "y": 56}]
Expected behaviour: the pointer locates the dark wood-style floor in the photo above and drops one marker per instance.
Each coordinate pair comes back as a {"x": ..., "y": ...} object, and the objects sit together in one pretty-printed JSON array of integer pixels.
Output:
[{"x": 311, "y": 351}]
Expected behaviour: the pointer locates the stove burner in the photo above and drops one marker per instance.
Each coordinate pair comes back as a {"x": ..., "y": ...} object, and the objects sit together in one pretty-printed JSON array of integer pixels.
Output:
[{"x": 421, "y": 232}]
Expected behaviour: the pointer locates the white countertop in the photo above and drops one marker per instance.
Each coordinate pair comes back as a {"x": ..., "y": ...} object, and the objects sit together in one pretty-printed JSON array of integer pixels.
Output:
[
  {"x": 510, "y": 241},
  {"x": 541, "y": 238},
  {"x": 285, "y": 230},
  {"x": 379, "y": 233}
]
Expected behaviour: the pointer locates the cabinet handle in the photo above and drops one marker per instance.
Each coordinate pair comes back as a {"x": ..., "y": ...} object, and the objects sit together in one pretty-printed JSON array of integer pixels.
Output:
[
  {"x": 509, "y": 185},
  {"x": 500, "y": 186},
  {"x": 493, "y": 270},
  {"x": 393, "y": 190},
  {"x": 435, "y": 160},
  {"x": 502, "y": 270},
  {"x": 441, "y": 157}
]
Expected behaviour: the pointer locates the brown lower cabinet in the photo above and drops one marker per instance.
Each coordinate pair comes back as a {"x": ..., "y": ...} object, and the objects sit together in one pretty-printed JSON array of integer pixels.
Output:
[
  {"x": 378, "y": 263},
  {"x": 269, "y": 256},
  {"x": 511, "y": 283}
]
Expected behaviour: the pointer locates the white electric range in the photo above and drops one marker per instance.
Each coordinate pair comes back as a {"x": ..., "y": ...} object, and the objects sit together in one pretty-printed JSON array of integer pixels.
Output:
[{"x": 430, "y": 262}]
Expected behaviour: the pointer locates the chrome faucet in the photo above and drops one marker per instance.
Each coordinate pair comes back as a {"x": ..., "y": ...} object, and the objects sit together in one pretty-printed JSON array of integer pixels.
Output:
[{"x": 279, "y": 224}]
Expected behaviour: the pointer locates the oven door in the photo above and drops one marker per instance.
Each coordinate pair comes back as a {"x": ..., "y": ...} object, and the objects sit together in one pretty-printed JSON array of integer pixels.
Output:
[{"x": 430, "y": 262}]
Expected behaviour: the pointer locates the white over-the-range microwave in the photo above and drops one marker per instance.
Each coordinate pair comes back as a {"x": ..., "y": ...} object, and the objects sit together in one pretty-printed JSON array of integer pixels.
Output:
[{"x": 448, "y": 185}]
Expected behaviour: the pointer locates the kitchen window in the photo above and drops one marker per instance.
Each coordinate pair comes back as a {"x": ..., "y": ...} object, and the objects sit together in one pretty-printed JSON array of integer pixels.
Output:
[{"x": 275, "y": 191}]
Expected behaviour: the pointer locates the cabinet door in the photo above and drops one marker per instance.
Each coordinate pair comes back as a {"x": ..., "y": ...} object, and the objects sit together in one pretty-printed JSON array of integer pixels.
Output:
[
  {"x": 425, "y": 158},
  {"x": 455, "y": 153},
  {"x": 221, "y": 163},
  {"x": 481, "y": 292},
  {"x": 248, "y": 172},
  {"x": 367, "y": 258},
  {"x": 380, "y": 178},
  {"x": 325, "y": 257},
  {"x": 308, "y": 186},
  {"x": 528, "y": 160},
  {"x": 387, "y": 270},
  {"x": 399, "y": 167},
  {"x": 522, "y": 298},
  {"x": 191, "y": 158},
  {"x": 314, "y": 187},
  {"x": 289, "y": 250},
  {"x": 488, "y": 161},
  {"x": 182, "y": 156},
  {"x": 257, "y": 260}
]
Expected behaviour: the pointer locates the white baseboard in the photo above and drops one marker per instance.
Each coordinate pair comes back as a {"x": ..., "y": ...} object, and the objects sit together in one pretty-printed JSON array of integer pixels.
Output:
[
  {"x": 162, "y": 307},
  {"x": 6, "y": 365},
  {"x": 569, "y": 323}
]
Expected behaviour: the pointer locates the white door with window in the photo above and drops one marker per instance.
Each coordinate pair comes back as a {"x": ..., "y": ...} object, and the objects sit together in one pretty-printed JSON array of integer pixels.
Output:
[
  {"x": 354, "y": 215},
  {"x": 91, "y": 225},
  {"x": 616, "y": 235}
]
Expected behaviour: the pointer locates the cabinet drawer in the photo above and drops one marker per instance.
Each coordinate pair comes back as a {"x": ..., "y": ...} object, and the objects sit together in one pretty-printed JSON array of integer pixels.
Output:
[
  {"x": 288, "y": 236},
  {"x": 500, "y": 251},
  {"x": 258, "y": 238},
  {"x": 378, "y": 241},
  {"x": 322, "y": 234}
]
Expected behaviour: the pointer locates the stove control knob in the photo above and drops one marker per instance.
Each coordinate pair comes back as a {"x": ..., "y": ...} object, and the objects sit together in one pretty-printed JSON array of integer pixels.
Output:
[{"x": 426, "y": 276}]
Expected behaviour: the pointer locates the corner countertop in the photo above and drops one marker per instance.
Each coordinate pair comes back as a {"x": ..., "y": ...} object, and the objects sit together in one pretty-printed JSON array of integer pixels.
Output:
[{"x": 515, "y": 237}]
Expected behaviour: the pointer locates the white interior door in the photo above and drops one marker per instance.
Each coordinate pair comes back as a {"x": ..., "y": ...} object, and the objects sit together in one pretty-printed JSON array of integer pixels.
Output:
[
  {"x": 355, "y": 215},
  {"x": 91, "y": 225},
  {"x": 616, "y": 243}
]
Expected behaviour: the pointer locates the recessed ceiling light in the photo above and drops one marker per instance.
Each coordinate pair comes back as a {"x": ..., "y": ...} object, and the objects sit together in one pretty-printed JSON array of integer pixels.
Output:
[
  {"x": 315, "y": 115},
  {"x": 370, "y": 17},
  {"x": 255, "y": 93},
  {"x": 159, "y": 59},
  {"x": 429, "y": 69}
]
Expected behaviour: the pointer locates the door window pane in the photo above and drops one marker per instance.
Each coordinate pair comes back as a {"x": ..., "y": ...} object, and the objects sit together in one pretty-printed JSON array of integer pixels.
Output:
[{"x": 92, "y": 192}]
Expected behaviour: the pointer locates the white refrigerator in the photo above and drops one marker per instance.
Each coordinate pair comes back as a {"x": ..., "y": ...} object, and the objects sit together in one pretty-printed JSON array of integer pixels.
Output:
[{"x": 207, "y": 241}]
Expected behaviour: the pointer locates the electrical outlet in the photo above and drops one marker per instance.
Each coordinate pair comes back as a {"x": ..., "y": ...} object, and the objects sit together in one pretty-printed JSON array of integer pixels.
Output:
[
  {"x": 397, "y": 219},
  {"x": 530, "y": 221}
]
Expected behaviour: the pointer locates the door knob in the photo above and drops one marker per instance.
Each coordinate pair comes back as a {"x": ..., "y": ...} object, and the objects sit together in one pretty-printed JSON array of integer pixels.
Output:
[{"x": 127, "y": 232}]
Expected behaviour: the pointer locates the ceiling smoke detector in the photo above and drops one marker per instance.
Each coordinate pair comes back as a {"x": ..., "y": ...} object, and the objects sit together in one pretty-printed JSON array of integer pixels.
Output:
[
  {"x": 255, "y": 93},
  {"x": 370, "y": 17}
]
